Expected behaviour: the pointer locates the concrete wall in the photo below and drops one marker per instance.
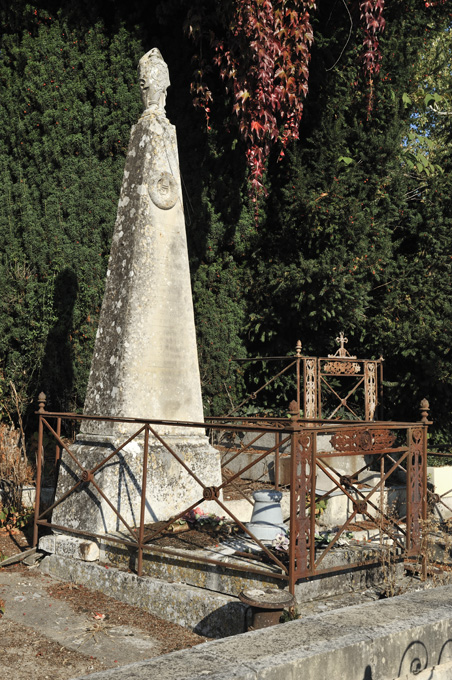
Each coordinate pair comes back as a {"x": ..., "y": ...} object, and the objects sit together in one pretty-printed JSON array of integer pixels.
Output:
[
  {"x": 441, "y": 478},
  {"x": 408, "y": 637}
]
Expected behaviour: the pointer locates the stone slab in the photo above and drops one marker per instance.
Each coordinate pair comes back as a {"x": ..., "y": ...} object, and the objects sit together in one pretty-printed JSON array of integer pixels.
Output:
[
  {"x": 70, "y": 546},
  {"x": 223, "y": 579},
  {"x": 405, "y": 637},
  {"x": 29, "y": 604},
  {"x": 207, "y": 613}
]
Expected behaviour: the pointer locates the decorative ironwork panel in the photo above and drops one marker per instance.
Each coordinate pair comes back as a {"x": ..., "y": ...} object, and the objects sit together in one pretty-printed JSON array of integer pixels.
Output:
[
  {"x": 383, "y": 439},
  {"x": 303, "y": 489},
  {"x": 341, "y": 368},
  {"x": 370, "y": 370},
  {"x": 416, "y": 462},
  {"x": 363, "y": 440},
  {"x": 310, "y": 389}
]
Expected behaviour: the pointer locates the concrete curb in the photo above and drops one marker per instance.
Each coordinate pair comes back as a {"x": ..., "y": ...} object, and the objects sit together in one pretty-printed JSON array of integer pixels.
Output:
[{"x": 409, "y": 636}]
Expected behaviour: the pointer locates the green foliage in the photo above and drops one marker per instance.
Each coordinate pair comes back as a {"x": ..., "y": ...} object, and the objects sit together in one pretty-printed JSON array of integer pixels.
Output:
[
  {"x": 12, "y": 518},
  {"x": 67, "y": 105}
]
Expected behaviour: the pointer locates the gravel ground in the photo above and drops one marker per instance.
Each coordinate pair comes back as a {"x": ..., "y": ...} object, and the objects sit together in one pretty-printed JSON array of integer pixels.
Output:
[{"x": 52, "y": 629}]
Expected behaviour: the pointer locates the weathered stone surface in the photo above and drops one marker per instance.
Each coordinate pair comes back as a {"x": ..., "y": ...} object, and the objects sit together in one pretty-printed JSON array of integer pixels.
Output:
[
  {"x": 170, "y": 488},
  {"x": 406, "y": 637},
  {"x": 70, "y": 546},
  {"x": 233, "y": 573},
  {"x": 145, "y": 362},
  {"x": 207, "y": 613}
]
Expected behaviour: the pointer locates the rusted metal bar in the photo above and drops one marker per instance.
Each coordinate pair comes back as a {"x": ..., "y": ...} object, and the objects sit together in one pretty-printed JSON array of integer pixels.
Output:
[
  {"x": 343, "y": 401},
  {"x": 338, "y": 484},
  {"x": 116, "y": 451},
  {"x": 250, "y": 465},
  {"x": 318, "y": 389},
  {"x": 60, "y": 441},
  {"x": 254, "y": 394},
  {"x": 383, "y": 514},
  {"x": 441, "y": 455},
  {"x": 332, "y": 543},
  {"x": 365, "y": 498},
  {"x": 243, "y": 449},
  {"x": 38, "y": 470},
  {"x": 210, "y": 424},
  {"x": 107, "y": 500},
  {"x": 274, "y": 421},
  {"x": 61, "y": 499},
  {"x": 312, "y": 501},
  {"x": 380, "y": 390},
  {"x": 250, "y": 360},
  {"x": 240, "y": 492},
  {"x": 382, "y": 473},
  {"x": 424, "y": 488},
  {"x": 143, "y": 501},
  {"x": 384, "y": 478},
  {"x": 293, "y": 510},
  {"x": 178, "y": 458},
  {"x": 363, "y": 452},
  {"x": 173, "y": 423},
  {"x": 386, "y": 529},
  {"x": 57, "y": 447},
  {"x": 298, "y": 384},
  {"x": 408, "y": 491},
  {"x": 276, "y": 469}
]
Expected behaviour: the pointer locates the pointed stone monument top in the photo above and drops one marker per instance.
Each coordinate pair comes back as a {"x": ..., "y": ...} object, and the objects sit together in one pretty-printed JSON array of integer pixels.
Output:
[{"x": 145, "y": 362}]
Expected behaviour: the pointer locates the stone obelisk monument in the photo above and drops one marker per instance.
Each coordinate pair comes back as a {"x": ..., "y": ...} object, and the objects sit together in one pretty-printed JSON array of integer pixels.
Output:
[{"x": 145, "y": 362}]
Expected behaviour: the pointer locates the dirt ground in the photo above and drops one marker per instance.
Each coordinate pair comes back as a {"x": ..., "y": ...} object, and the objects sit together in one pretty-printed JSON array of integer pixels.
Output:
[{"x": 52, "y": 629}]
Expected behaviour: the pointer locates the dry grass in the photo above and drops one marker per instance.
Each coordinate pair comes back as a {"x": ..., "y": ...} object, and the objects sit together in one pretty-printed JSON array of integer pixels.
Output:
[{"x": 15, "y": 470}]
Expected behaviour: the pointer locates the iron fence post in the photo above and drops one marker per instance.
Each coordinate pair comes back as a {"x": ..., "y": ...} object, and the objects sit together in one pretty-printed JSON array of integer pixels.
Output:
[
  {"x": 313, "y": 463},
  {"x": 277, "y": 443},
  {"x": 424, "y": 409},
  {"x": 298, "y": 355},
  {"x": 143, "y": 501},
  {"x": 408, "y": 489},
  {"x": 58, "y": 447},
  {"x": 294, "y": 425},
  {"x": 41, "y": 402}
]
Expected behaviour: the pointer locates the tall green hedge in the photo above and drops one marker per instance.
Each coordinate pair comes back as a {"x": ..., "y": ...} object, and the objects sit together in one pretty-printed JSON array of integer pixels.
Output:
[{"x": 69, "y": 96}]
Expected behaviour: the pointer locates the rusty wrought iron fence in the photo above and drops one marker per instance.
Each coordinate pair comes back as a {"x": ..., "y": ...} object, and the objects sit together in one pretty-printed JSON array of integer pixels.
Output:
[
  {"x": 339, "y": 385},
  {"x": 302, "y": 452}
]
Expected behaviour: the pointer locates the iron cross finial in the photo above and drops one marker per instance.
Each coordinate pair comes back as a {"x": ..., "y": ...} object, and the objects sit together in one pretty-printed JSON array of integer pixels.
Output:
[{"x": 342, "y": 340}]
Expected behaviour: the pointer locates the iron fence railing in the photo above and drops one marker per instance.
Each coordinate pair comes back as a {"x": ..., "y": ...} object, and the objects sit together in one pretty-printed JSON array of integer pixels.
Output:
[{"x": 309, "y": 449}]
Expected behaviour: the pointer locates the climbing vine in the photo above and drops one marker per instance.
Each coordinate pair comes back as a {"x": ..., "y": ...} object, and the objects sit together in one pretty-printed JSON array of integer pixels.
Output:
[
  {"x": 262, "y": 51},
  {"x": 371, "y": 16},
  {"x": 263, "y": 56}
]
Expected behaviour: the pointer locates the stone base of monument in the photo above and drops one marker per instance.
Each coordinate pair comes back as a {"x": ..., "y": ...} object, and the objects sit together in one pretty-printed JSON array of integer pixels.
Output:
[
  {"x": 169, "y": 487},
  {"x": 204, "y": 597}
]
